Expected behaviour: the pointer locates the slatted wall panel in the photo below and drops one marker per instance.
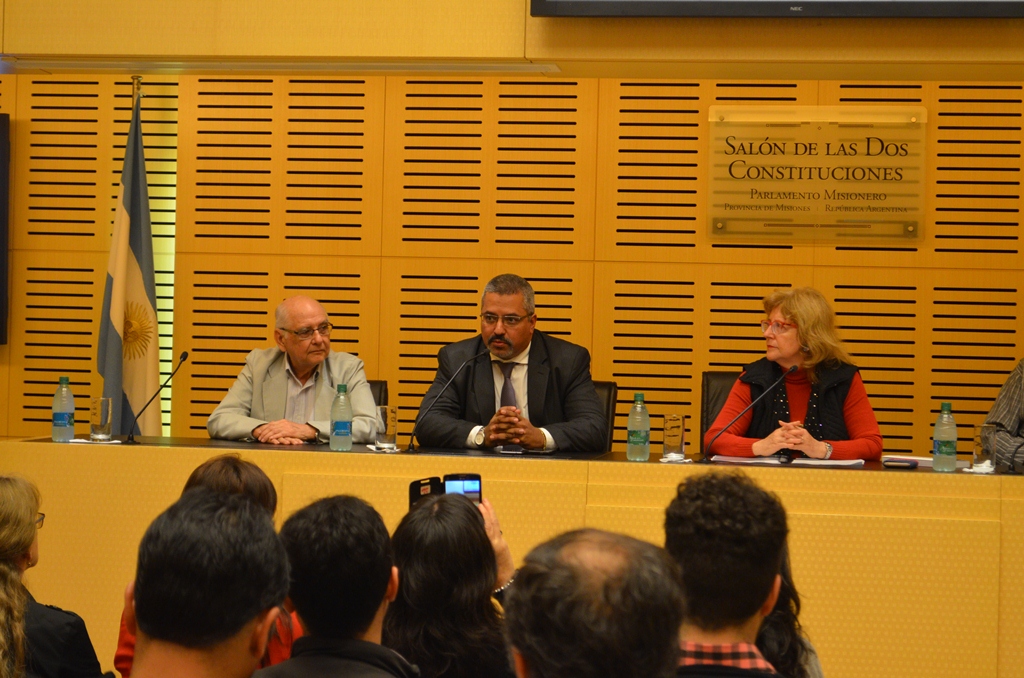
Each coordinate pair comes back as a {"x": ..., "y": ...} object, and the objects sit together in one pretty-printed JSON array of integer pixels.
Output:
[
  {"x": 68, "y": 154},
  {"x": 280, "y": 165},
  {"x": 490, "y": 168},
  {"x": 652, "y": 153},
  {"x": 973, "y": 166},
  {"x": 231, "y": 312},
  {"x": 8, "y": 105},
  {"x": 55, "y": 302},
  {"x": 880, "y": 321},
  {"x": 427, "y": 304}
]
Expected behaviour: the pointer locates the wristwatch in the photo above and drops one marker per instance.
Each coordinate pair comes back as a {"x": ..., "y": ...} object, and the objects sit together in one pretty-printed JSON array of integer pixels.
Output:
[
  {"x": 828, "y": 450},
  {"x": 478, "y": 439}
]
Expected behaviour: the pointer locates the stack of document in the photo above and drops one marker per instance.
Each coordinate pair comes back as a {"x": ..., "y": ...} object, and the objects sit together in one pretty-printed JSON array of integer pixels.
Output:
[{"x": 799, "y": 461}]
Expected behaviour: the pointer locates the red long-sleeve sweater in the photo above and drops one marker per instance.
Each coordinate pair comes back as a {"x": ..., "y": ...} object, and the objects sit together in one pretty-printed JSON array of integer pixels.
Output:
[{"x": 865, "y": 439}]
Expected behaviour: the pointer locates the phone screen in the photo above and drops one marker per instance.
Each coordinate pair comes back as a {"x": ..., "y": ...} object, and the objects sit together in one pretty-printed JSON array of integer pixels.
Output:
[{"x": 467, "y": 486}]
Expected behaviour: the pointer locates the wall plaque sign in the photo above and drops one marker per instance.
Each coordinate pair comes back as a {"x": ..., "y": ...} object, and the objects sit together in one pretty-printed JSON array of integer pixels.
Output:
[{"x": 837, "y": 173}]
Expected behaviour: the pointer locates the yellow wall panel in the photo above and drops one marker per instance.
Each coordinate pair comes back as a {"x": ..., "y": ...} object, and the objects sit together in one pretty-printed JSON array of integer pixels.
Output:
[
  {"x": 266, "y": 29},
  {"x": 285, "y": 165},
  {"x": 490, "y": 167}
]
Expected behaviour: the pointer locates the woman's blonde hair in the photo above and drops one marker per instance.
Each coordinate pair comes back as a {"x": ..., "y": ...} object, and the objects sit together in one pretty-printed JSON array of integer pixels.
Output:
[
  {"x": 19, "y": 505},
  {"x": 815, "y": 323}
]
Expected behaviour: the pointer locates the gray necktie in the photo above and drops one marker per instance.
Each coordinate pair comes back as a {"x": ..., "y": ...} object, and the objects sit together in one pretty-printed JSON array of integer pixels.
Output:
[{"x": 508, "y": 392}]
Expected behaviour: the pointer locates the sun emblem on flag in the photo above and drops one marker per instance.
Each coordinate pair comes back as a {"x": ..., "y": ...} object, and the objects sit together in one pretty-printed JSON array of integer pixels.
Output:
[{"x": 138, "y": 331}]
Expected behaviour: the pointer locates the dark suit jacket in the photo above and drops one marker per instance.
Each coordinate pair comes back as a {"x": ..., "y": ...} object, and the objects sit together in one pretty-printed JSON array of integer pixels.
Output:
[
  {"x": 57, "y": 644},
  {"x": 313, "y": 657},
  {"x": 561, "y": 396}
]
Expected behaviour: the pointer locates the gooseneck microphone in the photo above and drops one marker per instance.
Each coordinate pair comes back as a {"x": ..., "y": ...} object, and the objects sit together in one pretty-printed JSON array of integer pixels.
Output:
[
  {"x": 412, "y": 435},
  {"x": 707, "y": 450},
  {"x": 130, "y": 440}
]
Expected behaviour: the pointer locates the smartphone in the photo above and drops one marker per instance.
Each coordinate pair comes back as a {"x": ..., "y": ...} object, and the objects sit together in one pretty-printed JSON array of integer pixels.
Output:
[
  {"x": 463, "y": 483},
  {"x": 424, "y": 487}
]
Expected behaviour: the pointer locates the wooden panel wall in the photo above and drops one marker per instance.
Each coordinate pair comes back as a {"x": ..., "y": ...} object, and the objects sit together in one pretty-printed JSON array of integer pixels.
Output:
[
  {"x": 396, "y": 198},
  {"x": 67, "y": 152}
]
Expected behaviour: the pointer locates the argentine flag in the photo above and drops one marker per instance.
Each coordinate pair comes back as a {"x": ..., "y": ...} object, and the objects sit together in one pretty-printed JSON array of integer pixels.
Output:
[{"x": 129, "y": 350}]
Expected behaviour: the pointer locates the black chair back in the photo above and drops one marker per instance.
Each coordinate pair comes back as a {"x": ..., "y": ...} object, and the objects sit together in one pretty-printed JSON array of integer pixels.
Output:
[
  {"x": 714, "y": 391},
  {"x": 607, "y": 393},
  {"x": 379, "y": 388}
]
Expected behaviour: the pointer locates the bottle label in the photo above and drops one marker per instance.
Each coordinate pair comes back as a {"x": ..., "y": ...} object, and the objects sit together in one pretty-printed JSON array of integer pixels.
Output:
[
  {"x": 944, "y": 447},
  {"x": 638, "y": 437},
  {"x": 61, "y": 419},
  {"x": 341, "y": 428}
]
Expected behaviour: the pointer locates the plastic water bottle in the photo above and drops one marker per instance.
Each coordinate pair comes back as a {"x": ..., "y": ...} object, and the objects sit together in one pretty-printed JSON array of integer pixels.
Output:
[
  {"x": 638, "y": 437},
  {"x": 63, "y": 412},
  {"x": 341, "y": 421},
  {"x": 944, "y": 441}
]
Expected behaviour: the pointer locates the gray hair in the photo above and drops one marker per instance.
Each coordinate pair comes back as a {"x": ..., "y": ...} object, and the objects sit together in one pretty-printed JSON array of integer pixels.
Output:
[{"x": 507, "y": 284}]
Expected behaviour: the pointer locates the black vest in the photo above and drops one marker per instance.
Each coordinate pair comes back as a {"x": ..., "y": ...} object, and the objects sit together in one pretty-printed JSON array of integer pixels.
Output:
[{"x": 830, "y": 391}]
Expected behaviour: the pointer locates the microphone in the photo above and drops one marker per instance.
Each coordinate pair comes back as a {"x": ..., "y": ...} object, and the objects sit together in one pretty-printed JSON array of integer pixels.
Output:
[
  {"x": 707, "y": 450},
  {"x": 130, "y": 440},
  {"x": 412, "y": 435}
]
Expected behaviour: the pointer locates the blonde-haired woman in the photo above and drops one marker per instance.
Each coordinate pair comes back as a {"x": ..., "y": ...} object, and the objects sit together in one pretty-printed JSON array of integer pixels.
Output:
[
  {"x": 821, "y": 411},
  {"x": 35, "y": 640}
]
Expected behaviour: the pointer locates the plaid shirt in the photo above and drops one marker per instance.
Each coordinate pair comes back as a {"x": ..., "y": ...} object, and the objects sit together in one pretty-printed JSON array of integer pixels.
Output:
[
  {"x": 1008, "y": 415},
  {"x": 738, "y": 655}
]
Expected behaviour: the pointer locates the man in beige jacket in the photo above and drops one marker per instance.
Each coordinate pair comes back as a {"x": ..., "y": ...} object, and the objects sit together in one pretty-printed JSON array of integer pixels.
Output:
[{"x": 284, "y": 394}]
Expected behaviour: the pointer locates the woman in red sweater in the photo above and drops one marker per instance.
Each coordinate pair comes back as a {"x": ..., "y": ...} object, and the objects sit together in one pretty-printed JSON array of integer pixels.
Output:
[{"x": 822, "y": 411}]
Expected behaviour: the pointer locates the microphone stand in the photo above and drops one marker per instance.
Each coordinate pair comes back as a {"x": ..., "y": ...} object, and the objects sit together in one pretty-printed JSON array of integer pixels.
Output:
[
  {"x": 412, "y": 434},
  {"x": 707, "y": 450},
  {"x": 130, "y": 440}
]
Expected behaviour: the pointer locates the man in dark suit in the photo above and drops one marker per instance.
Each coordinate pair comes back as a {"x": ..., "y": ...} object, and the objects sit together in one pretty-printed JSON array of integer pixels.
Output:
[{"x": 517, "y": 385}]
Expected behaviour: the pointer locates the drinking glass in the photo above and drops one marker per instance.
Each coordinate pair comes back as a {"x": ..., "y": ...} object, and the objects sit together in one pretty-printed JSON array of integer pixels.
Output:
[
  {"x": 387, "y": 428},
  {"x": 672, "y": 449},
  {"x": 984, "y": 448},
  {"x": 99, "y": 419}
]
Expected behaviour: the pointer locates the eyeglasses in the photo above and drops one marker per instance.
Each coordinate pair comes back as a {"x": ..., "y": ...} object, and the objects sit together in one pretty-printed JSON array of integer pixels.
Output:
[
  {"x": 39, "y": 521},
  {"x": 506, "y": 320},
  {"x": 778, "y": 327},
  {"x": 307, "y": 332}
]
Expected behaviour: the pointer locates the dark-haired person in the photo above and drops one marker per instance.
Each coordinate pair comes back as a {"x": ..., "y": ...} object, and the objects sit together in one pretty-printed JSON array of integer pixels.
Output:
[
  {"x": 445, "y": 619},
  {"x": 284, "y": 393},
  {"x": 590, "y": 604},
  {"x": 529, "y": 389},
  {"x": 342, "y": 580},
  {"x": 38, "y": 641},
  {"x": 821, "y": 410},
  {"x": 210, "y": 578},
  {"x": 231, "y": 474},
  {"x": 781, "y": 639},
  {"x": 728, "y": 535}
]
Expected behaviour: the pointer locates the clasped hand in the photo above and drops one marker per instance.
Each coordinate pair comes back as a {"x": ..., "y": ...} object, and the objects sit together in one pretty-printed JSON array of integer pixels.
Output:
[
  {"x": 791, "y": 435},
  {"x": 508, "y": 425},
  {"x": 284, "y": 432}
]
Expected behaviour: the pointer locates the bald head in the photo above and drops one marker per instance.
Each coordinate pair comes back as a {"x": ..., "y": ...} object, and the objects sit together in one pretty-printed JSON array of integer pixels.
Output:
[
  {"x": 288, "y": 309},
  {"x": 591, "y": 603}
]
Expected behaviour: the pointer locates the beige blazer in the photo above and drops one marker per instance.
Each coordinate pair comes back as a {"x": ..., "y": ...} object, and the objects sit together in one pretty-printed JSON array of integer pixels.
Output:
[{"x": 259, "y": 395}]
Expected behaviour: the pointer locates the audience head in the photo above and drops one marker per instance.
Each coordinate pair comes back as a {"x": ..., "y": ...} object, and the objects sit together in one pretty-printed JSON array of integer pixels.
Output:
[
  {"x": 443, "y": 618},
  {"x": 815, "y": 334},
  {"x": 728, "y": 535},
  {"x": 590, "y": 604},
  {"x": 341, "y": 566},
  {"x": 19, "y": 550},
  {"x": 208, "y": 566},
  {"x": 231, "y": 474}
]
